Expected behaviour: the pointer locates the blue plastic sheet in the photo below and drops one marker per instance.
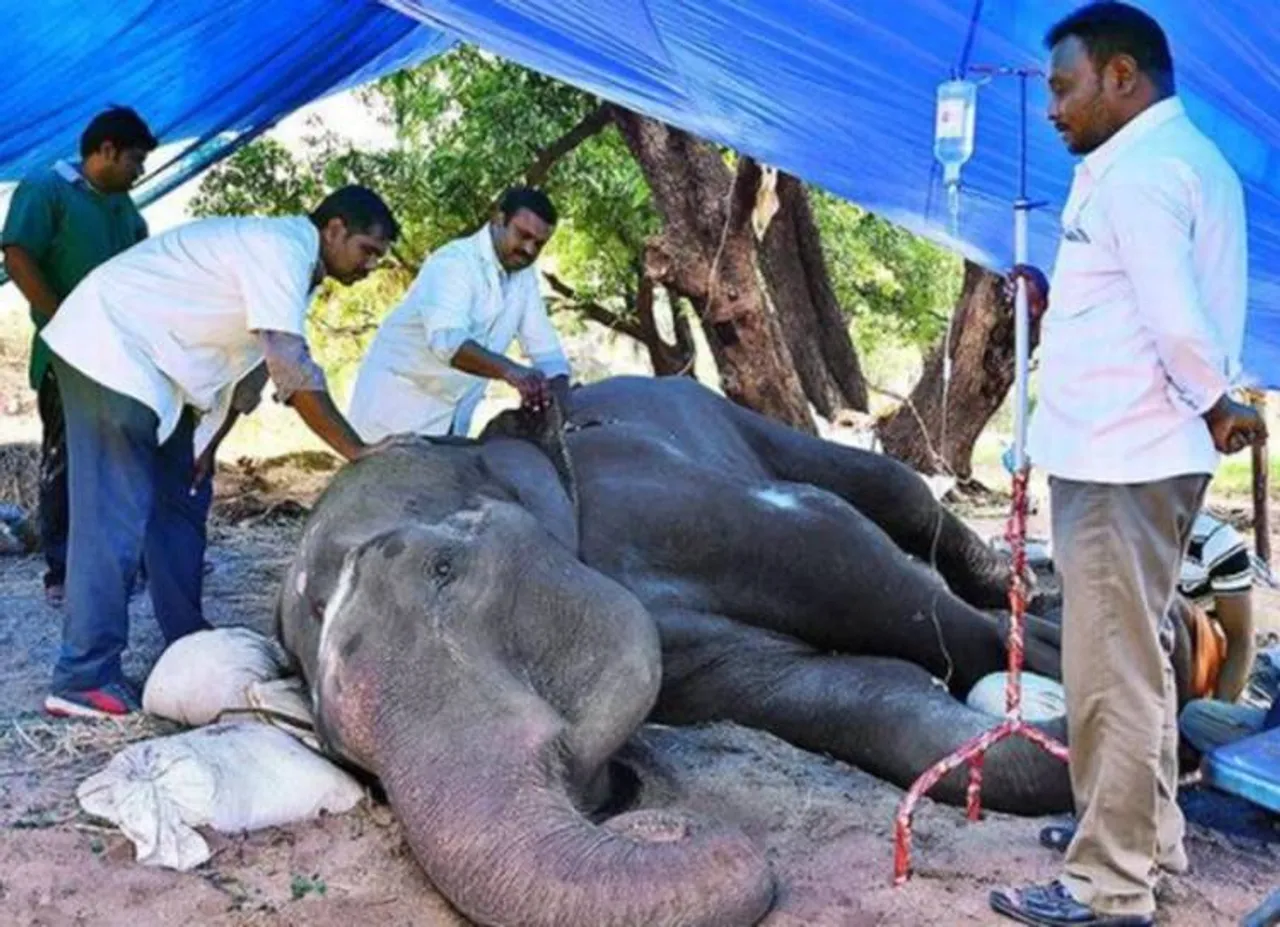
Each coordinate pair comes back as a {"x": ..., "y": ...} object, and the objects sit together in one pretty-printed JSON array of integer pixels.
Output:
[
  {"x": 211, "y": 72},
  {"x": 840, "y": 93}
]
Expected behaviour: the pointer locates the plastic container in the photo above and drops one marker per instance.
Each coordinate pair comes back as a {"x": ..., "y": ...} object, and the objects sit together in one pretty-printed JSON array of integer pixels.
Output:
[
  {"x": 954, "y": 124},
  {"x": 1249, "y": 768}
]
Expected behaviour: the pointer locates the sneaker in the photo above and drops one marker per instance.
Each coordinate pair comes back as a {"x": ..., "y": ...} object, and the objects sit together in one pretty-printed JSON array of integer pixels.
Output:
[
  {"x": 114, "y": 700},
  {"x": 55, "y": 594}
]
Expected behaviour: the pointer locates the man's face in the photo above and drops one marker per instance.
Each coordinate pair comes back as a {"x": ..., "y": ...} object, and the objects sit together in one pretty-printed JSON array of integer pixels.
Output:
[
  {"x": 349, "y": 256},
  {"x": 519, "y": 242},
  {"x": 121, "y": 167},
  {"x": 1084, "y": 99}
]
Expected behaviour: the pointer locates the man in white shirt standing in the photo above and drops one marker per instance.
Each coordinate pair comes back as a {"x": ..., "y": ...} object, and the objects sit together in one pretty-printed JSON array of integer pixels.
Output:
[
  {"x": 430, "y": 362},
  {"x": 1140, "y": 342},
  {"x": 145, "y": 346}
]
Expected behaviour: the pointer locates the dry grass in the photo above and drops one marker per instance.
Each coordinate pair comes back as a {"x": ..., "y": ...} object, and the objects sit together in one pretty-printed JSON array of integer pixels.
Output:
[{"x": 39, "y": 744}]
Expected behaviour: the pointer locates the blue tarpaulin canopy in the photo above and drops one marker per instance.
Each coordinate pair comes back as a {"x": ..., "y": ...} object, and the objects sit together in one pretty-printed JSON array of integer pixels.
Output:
[{"x": 839, "y": 93}]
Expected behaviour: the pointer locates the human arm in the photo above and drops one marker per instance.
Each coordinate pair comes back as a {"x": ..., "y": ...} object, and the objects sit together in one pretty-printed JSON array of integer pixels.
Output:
[
  {"x": 301, "y": 384},
  {"x": 1234, "y": 613},
  {"x": 28, "y": 233},
  {"x": 541, "y": 343},
  {"x": 1153, "y": 219},
  {"x": 25, "y": 273},
  {"x": 445, "y": 297},
  {"x": 530, "y": 383}
]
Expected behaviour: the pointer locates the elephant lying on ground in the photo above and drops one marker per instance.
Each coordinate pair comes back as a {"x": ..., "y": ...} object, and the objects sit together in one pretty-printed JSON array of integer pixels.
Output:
[{"x": 483, "y": 624}]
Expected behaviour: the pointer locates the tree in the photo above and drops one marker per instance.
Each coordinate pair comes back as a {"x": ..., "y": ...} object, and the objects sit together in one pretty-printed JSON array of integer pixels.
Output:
[
  {"x": 982, "y": 371},
  {"x": 656, "y": 224}
]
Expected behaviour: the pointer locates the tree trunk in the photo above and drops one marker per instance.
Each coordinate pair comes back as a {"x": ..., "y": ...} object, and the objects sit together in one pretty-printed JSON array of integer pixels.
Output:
[
  {"x": 816, "y": 330},
  {"x": 706, "y": 212},
  {"x": 982, "y": 358},
  {"x": 668, "y": 360},
  {"x": 638, "y": 322}
]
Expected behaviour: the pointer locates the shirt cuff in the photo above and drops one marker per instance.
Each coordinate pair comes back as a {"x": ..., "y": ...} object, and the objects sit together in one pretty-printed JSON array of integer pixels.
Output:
[{"x": 1196, "y": 401}]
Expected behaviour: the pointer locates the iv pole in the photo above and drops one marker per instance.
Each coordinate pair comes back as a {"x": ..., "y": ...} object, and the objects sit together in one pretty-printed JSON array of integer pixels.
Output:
[{"x": 974, "y": 751}]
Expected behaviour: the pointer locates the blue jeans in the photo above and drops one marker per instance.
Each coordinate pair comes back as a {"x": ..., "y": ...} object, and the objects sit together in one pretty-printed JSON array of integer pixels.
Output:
[
  {"x": 1207, "y": 724},
  {"x": 131, "y": 502}
]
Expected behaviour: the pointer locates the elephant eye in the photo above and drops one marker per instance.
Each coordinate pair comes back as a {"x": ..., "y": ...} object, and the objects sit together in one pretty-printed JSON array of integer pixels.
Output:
[{"x": 441, "y": 571}]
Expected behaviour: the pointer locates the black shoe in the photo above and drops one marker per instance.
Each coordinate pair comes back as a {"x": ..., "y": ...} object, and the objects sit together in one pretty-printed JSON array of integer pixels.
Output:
[{"x": 1053, "y": 906}]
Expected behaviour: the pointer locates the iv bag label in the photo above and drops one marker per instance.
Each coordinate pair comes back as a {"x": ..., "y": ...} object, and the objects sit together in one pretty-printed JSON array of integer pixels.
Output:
[{"x": 950, "y": 122}]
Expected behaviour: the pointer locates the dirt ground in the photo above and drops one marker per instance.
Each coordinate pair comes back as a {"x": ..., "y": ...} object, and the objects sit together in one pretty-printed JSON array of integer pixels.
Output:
[{"x": 826, "y": 827}]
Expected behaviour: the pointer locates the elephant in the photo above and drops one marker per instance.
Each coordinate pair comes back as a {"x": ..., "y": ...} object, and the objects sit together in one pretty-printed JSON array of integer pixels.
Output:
[{"x": 483, "y": 624}]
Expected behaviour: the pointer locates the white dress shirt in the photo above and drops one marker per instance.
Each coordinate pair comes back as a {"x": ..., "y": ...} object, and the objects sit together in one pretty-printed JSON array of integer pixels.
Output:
[
  {"x": 406, "y": 384},
  {"x": 173, "y": 321},
  {"x": 1146, "y": 315}
]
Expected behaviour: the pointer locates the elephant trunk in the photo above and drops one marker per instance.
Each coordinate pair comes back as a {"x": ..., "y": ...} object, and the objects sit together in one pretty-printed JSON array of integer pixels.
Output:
[{"x": 500, "y": 837}]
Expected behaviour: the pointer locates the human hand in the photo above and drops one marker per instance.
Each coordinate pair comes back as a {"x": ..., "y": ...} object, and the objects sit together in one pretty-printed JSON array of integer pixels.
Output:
[
  {"x": 1037, "y": 288},
  {"x": 1234, "y": 426},
  {"x": 533, "y": 386},
  {"x": 203, "y": 467}
]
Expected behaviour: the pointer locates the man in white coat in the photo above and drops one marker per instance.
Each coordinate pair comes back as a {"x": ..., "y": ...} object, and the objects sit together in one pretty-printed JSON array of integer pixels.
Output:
[{"x": 433, "y": 357}]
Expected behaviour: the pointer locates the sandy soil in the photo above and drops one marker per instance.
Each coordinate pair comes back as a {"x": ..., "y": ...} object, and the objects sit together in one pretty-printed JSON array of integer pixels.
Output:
[{"x": 826, "y": 827}]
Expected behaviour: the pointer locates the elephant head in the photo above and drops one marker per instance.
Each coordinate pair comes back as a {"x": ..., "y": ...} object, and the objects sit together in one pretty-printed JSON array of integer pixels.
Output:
[{"x": 458, "y": 649}]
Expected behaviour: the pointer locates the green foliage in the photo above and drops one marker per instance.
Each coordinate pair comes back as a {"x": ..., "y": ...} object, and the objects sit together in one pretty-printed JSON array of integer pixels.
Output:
[
  {"x": 467, "y": 125},
  {"x": 897, "y": 288}
]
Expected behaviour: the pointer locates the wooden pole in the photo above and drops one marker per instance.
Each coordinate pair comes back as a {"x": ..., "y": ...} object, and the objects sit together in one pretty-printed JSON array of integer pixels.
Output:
[{"x": 1261, "y": 489}]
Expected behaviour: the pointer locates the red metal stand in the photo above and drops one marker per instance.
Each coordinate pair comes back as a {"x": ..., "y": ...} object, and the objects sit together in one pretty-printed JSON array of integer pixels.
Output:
[{"x": 974, "y": 752}]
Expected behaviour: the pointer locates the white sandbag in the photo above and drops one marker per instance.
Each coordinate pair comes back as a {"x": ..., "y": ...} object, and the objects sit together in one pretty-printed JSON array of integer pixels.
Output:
[
  {"x": 232, "y": 777},
  {"x": 1043, "y": 699},
  {"x": 207, "y": 672}
]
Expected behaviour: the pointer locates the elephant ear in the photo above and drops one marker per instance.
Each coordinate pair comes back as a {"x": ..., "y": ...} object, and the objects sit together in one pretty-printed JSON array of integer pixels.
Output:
[{"x": 546, "y": 431}]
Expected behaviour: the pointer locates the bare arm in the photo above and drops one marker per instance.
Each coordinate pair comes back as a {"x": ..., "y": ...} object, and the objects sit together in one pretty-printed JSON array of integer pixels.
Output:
[
  {"x": 300, "y": 383},
  {"x": 535, "y": 391},
  {"x": 473, "y": 359},
  {"x": 1235, "y": 614},
  {"x": 26, "y": 274},
  {"x": 317, "y": 409}
]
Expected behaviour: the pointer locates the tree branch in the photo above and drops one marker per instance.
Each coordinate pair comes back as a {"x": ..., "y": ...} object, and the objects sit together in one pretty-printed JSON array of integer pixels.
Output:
[
  {"x": 593, "y": 310},
  {"x": 592, "y": 124}
]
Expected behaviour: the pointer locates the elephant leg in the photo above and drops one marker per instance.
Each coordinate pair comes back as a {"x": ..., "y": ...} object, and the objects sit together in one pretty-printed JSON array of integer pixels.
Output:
[
  {"x": 890, "y": 494},
  {"x": 883, "y": 715}
]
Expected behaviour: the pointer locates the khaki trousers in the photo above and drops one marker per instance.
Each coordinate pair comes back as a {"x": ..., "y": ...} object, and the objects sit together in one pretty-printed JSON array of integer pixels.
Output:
[{"x": 1119, "y": 549}]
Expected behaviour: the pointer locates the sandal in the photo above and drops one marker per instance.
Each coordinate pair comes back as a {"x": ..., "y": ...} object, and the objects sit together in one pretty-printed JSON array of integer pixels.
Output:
[
  {"x": 1057, "y": 837},
  {"x": 1052, "y": 905}
]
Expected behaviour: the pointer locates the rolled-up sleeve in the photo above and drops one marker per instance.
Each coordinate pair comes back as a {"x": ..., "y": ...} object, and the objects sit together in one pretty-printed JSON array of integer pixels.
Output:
[
  {"x": 289, "y": 364},
  {"x": 442, "y": 296},
  {"x": 538, "y": 337},
  {"x": 1153, "y": 220}
]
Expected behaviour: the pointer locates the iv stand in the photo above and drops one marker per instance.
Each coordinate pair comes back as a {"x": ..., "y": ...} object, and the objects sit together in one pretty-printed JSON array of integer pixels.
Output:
[{"x": 974, "y": 751}]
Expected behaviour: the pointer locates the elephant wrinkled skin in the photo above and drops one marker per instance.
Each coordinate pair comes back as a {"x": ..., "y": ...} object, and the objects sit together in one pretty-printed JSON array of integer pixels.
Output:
[{"x": 484, "y": 624}]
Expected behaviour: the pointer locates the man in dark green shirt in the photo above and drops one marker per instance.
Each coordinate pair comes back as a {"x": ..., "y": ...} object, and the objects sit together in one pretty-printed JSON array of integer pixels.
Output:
[{"x": 63, "y": 222}]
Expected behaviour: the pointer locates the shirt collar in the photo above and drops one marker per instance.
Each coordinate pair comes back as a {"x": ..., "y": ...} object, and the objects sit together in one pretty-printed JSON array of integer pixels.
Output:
[
  {"x": 1101, "y": 158},
  {"x": 71, "y": 173},
  {"x": 484, "y": 247}
]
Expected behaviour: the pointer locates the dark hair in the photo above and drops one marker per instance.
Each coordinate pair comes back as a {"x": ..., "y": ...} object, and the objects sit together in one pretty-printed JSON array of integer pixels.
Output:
[
  {"x": 1110, "y": 29},
  {"x": 360, "y": 209},
  {"x": 534, "y": 200},
  {"x": 120, "y": 126}
]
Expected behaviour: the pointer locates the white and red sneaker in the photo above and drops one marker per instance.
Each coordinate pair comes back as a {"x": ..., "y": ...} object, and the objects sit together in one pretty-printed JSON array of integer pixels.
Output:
[{"x": 114, "y": 700}]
